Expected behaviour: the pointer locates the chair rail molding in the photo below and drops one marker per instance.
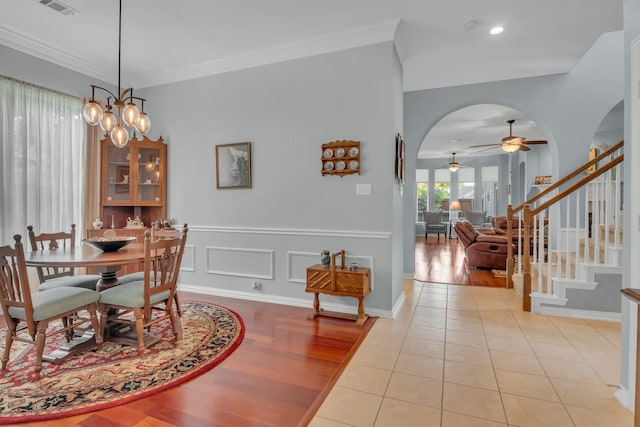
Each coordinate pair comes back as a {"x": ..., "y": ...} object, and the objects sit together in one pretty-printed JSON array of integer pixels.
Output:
[{"x": 385, "y": 235}]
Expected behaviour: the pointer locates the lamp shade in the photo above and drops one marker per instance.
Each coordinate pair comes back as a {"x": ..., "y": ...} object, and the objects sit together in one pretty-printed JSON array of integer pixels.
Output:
[{"x": 455, "y": 206}]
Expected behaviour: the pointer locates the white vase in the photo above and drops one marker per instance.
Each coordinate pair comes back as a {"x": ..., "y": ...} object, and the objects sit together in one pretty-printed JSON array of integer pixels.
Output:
[{"x": 97, "y": 223}]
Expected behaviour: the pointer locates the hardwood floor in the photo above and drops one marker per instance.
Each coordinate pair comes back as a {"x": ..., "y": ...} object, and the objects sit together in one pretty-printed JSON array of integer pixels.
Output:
[
  {"x": 277, "y": 377},
  {"x": 442, "y": 260},
  {"x": 285, "y": 366}
]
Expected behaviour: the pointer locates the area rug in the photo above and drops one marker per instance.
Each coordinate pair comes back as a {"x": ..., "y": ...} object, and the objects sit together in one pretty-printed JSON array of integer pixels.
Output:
[{"x": 116, "y": 375}]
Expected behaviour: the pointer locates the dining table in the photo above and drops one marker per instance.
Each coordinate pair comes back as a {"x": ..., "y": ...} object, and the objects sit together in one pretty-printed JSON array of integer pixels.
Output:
[{"x": 106, "y": 263}]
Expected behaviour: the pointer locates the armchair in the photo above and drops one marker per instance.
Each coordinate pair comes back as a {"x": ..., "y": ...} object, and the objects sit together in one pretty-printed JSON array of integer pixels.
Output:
[
  {"x": 483, "y": 248},
  {"x": 434, "y": 223}
]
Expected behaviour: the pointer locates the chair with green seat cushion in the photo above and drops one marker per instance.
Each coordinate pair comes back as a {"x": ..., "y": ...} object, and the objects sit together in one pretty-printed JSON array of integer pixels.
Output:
[
  {"x": 40, "y": 309},
  {"x": 162, "y": 233},
  {"x": 150, "y": 300},
  {"x": 56, "y": 277}
]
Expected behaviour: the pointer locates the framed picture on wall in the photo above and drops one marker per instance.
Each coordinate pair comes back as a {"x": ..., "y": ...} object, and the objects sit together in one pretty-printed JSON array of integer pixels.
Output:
[
  {"x": 233, "y": 165},
  {"x": 400, "y": 166}
]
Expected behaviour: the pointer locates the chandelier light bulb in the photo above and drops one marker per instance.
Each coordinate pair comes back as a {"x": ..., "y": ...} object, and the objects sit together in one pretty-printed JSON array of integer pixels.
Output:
[
  {"x": 143, "y": 124},
  {"x": 108, "y": 121},
  {"x": 119, "y": 136},
  {"x": 130, "y": 114},
  {"x": 92, "y": 112}
]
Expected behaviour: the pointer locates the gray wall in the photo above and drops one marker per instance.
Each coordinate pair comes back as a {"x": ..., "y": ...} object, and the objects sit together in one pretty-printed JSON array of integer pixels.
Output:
[
  {"x": 568, "y": 108},
  {"x": 271, "y": 232}
]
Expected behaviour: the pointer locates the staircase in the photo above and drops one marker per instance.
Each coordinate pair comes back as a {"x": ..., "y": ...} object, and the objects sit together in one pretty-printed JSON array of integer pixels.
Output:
[{"x": 577, "y": 272}]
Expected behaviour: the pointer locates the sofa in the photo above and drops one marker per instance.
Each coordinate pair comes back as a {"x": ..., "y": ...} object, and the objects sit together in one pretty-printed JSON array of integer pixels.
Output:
[{"x": 483, "y": 247}]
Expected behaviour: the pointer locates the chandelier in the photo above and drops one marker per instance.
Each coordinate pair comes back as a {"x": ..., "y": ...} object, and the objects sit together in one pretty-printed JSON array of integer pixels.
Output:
[{"x": 128, "y": 116}]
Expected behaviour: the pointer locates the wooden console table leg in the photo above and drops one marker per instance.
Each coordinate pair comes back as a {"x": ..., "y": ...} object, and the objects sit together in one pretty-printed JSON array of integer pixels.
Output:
[
  {"x": 361, "y": 316},
  {"x": 316, "y": 307}
]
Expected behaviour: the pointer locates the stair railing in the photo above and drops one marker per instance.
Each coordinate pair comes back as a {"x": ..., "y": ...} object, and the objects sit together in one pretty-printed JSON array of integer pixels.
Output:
[{"x": 532, "y": 226}]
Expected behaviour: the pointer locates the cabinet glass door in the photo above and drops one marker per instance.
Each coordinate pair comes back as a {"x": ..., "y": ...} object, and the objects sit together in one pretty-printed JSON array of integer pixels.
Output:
[
  {"x": 149, "y": 164},
  {"x": 119, "y": 177}
]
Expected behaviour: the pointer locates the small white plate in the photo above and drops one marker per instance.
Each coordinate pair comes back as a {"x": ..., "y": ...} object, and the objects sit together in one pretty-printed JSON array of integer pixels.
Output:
[
  {"x": 328, "y": 166},
  {"x": 340, "y": 152},
  {"x": 353, "y": 164},
  {"x": 327, "y": 153},
  {"x": 353, "y": 151},
  {"x": 340, "y": 165}
]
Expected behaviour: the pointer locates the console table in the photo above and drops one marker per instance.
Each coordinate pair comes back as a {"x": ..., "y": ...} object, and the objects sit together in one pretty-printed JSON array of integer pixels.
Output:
[{"x": 338, "y": 281}]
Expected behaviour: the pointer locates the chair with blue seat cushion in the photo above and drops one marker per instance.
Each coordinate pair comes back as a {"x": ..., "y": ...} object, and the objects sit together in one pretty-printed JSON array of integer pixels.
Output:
[
  {"x": 55, "y": 277},
  {"x": 40, "y": 309},
  {"x": 151, "y": 299}
]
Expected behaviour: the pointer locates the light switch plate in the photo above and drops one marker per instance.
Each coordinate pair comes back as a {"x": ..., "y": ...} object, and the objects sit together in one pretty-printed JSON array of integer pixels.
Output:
[{"x": 363, "y": 189}]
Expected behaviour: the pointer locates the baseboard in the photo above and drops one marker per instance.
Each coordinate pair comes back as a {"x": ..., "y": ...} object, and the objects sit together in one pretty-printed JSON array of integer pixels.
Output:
[
  {"x": 623, "y": 397},
  {"x": 294, "y": 302}
]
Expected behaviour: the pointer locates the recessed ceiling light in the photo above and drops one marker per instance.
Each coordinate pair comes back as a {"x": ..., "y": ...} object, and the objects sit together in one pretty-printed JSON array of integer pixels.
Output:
[{"x": 496, "y": 30}]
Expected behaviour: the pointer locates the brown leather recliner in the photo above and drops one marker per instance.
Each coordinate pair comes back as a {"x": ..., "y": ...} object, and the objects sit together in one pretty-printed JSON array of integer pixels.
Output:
[
  {"x": 484, "y": 249},
  {"x": 500, "y": 228}
]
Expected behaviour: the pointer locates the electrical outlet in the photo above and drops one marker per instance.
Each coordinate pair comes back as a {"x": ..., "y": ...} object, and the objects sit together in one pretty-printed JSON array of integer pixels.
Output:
[{"x": 256, "y": 286}]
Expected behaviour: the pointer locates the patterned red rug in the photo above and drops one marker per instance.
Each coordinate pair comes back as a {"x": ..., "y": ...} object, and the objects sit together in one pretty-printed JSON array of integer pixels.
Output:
[{"x": 98, "y": 380}]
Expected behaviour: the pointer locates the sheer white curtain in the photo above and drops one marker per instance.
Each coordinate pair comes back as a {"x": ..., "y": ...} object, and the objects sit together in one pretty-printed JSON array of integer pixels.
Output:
[{"x": 42, "y": 159}]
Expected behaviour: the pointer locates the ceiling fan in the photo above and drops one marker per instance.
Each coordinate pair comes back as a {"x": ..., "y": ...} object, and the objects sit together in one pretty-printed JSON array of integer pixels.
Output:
[
  {"x": 512, "y": 142},
  {"x": 453, "y": 165}
]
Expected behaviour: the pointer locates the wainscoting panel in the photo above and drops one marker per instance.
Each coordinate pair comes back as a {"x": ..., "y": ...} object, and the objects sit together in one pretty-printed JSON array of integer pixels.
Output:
[
  {"x": 188, "y": 258},
  {"x": 241, "y": 262},
  {"x": 297, "y": 263}
]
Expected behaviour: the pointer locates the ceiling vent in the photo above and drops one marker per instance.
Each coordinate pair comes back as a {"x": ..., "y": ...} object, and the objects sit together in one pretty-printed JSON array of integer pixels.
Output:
[{"x": 58, "y": 6}]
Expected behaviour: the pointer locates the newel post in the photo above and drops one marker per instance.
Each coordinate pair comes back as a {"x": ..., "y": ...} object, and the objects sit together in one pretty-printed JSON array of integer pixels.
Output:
[
  {"x": 526, "y": 260},
  {"x": 509, "y": 248}
]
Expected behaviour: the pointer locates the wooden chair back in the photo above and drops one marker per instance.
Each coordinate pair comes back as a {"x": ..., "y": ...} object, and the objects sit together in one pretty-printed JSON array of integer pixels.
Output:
[
  {"x": 14, "y": 284},
  {"x": 162, "y": 261},
  {"x": 52, "y": 241}
]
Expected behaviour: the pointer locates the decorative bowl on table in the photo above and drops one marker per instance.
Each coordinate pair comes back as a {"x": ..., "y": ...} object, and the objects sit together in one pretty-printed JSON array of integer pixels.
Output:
[{"x": 109, "y": 244}]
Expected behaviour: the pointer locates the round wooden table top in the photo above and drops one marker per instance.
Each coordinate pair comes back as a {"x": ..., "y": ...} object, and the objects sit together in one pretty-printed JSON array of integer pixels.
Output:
[{"x": 85, "y": 256}]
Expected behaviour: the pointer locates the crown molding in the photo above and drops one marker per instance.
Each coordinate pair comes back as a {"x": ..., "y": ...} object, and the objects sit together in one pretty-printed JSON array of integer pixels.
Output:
[
  {"x": 40, "y": 49},
  {"x": 333, "y": 43},
  {"x": 336, "y": 42}
]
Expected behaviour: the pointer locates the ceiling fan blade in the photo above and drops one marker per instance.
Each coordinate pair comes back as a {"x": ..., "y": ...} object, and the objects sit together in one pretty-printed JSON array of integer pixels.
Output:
[
  {"x": 485, "y": 145},
  {"x": 523, "y": 147},
  {"x": 535, "y": 142}
]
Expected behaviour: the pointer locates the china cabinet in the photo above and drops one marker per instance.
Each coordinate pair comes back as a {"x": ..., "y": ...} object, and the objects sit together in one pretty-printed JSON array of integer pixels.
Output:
[
  {"x": 133, "y": 182},
  {"x": 133, "y": 185}
]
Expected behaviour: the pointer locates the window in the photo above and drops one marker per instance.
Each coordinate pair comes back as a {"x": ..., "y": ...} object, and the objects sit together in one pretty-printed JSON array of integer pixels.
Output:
[
  {"x": 43, "y": 157},
  {"x": 442, "y": 189},
  {"x": 466, "y": 185},
  {"x": 422, "y": 191}
]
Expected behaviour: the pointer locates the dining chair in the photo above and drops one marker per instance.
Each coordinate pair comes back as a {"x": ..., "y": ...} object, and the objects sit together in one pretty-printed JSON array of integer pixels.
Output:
[
  {"x": 40, "y": 309},
  {"x": 151, "y": 299},
  {"x": 156, "y": 233},
  {"x": 55, "y": 277}
]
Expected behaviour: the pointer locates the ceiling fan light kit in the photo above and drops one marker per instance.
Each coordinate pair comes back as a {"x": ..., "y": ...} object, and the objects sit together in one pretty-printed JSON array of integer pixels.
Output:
[
  {"x": 511, "y": 143},
  {"x": 453, "y": 165}
]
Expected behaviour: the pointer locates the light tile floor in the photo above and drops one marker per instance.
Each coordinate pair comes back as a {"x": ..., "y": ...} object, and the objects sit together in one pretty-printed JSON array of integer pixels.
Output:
[{"x": 469, "y": 356}]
